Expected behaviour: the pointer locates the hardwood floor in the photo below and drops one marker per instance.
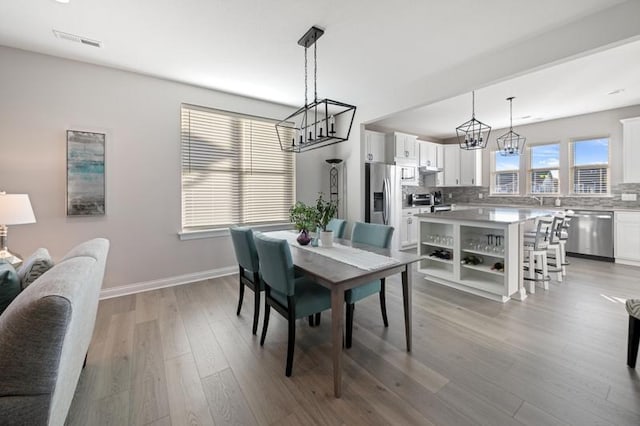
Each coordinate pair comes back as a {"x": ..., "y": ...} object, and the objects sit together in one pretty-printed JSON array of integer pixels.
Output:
[{"x": 181, "y": 356}]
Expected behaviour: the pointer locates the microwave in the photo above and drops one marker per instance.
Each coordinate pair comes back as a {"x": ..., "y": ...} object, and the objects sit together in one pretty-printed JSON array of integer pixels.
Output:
[{"x": 409, "y": 175}]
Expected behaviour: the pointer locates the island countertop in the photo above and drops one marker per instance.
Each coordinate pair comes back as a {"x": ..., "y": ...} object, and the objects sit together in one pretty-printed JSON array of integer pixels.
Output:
[{"x": 503, "y": 215}]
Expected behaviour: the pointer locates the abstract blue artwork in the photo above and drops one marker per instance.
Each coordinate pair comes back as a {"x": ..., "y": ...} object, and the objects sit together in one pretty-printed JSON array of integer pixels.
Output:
[{"x": 85, "y": 173}]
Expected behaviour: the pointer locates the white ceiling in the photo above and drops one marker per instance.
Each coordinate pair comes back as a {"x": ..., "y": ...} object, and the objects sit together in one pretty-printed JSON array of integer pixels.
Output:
[
  {"x": 249, "y": 46},
  {"x": 575, "y": 87}
]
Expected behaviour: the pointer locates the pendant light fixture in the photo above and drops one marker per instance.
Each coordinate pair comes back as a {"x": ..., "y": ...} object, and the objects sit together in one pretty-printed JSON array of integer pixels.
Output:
[
  {"x": 320, "y": 123},
  {"x": 511, "y": 143},
  {"x": 473, "y": 134}
]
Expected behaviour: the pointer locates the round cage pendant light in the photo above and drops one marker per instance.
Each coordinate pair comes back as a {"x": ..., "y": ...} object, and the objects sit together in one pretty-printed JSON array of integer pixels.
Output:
[
  {"x": 473, "y": 134},
  {"x": 511, "y": 143}
]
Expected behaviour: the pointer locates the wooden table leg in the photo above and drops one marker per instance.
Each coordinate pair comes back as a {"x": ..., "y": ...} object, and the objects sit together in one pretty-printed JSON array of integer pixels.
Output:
[
  {"x": 407, "y": 284},
  {"x": 337, "y": 307}
]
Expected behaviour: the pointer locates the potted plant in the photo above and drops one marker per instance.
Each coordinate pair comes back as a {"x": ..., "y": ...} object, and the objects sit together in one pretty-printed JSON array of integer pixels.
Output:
[
  {"x": 304, "y": 218},
  {"x": 325, "y": 211}
]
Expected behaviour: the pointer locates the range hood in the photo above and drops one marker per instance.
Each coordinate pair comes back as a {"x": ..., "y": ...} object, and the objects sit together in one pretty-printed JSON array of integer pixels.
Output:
[{"x": 428, "y": 170}]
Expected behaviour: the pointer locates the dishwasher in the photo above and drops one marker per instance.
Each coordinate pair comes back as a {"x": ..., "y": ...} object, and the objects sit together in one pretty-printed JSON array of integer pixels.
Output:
[{"x": 591, "y": 235}]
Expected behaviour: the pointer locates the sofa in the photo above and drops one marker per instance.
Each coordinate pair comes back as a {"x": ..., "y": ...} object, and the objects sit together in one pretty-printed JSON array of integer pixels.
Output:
[{"x": 44, "y": 337}]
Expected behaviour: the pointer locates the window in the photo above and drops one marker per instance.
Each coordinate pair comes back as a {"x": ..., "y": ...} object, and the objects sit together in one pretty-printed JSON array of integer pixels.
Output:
[
  {"x": 233, "y": 171},
  {"x": 544, "y": 170},
  {"x": 505, "y": 174},
  {"x": 590, "y": 166}
]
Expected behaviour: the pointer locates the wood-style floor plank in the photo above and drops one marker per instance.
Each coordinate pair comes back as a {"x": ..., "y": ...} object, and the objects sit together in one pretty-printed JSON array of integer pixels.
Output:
[{"x": 181, "y": 355}]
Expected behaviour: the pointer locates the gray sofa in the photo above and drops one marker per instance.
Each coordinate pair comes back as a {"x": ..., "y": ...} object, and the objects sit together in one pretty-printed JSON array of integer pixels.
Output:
[{"x": 44, "y": 337}]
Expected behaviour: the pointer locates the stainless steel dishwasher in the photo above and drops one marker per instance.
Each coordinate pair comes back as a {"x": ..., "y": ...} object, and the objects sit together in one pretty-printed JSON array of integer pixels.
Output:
[{"x": 591, "y": 235}]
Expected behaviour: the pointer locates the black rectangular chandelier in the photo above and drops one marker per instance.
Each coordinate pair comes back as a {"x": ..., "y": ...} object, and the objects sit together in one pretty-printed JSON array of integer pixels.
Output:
[{"x": 320, "y": 123}]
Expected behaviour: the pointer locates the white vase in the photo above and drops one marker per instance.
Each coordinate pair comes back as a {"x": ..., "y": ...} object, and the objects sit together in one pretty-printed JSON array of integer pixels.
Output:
[{"x": 326, "y": 238}]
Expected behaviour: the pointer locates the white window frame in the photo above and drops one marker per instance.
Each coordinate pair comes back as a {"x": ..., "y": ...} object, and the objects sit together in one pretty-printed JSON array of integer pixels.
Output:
[
  {"x": 494, "y": 174},
  {"x": 530, "y": 169},
  {"x": 242, "y": 156},
  {"x": 573, "y": 167}
]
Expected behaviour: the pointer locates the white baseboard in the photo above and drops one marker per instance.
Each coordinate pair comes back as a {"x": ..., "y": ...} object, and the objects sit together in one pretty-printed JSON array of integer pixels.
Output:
[
  {"x": 627, "y": 262},
  {"x": 123, "y": 290}
]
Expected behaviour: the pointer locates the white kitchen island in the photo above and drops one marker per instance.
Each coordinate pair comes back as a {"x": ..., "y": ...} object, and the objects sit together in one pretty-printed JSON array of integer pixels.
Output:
[{"x": 492, "y": 235}]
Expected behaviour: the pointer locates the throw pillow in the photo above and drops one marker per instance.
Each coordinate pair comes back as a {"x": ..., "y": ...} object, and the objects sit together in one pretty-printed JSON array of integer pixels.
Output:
[
  {"x": 37, "y": 264},
  {"x": 9, "y": 285}
]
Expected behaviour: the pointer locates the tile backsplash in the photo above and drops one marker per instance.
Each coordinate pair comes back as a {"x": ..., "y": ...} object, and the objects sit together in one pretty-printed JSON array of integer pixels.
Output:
[{"x": 469, "y": 195}]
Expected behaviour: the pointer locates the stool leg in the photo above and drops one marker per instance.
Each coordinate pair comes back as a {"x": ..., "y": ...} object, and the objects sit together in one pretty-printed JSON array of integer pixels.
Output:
[
  {"x": 545, "y": 270},
  {"x": 532, "y": 273},
  {"x": 634, "y": 340},
  {"x": 556, "y": 250},
  {"x": 563, "y": 257}
]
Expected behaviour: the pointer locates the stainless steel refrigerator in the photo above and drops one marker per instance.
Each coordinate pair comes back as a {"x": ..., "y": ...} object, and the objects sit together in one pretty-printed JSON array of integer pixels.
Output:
[{"x": 383, "y": 197}]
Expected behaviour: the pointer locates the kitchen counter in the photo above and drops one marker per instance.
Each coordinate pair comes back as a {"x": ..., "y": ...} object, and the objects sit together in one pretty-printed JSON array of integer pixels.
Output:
[
  {"x": 501, "y": 215},
  {"x": 554, "y": 208},
  {"x": 450, "y": 242}
]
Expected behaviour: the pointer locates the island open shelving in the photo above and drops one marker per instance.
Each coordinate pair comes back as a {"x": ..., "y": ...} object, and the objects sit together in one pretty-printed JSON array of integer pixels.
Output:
[{"x": 483, "y": 249}]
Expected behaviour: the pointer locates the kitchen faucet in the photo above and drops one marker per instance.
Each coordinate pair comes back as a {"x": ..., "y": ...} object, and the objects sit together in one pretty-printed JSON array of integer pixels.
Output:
[{"x": 541, "y": 199}]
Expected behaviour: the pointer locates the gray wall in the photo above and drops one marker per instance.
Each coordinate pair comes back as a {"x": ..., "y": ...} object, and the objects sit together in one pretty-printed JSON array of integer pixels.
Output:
[{"x": 43, "y": 96}]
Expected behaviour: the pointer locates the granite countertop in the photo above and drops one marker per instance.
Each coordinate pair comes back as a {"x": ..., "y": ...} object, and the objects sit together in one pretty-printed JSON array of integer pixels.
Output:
[{"x": 504, "y": 215}]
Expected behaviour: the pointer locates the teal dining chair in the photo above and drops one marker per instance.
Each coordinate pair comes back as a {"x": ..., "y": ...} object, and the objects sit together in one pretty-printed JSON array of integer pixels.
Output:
[
  {"x": 378, "y": 236},
  {"x": 291, "y": 297},
  {"x": 248, "y": 268},
  {"x": 337, "y": 226}
]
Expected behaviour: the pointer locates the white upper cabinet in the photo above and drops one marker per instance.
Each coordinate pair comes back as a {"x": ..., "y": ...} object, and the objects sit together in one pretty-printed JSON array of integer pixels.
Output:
[
  {"x": 461, "y": 167},
  {"x": 630, "y": 150},
  {"x": 374, "y": 147},
  {"x": 428, "y": 154},
  {"x": 402, "y": 147}
]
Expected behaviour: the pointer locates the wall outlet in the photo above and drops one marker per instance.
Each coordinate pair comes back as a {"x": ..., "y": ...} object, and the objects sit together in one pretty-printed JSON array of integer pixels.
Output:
[
  {"x": 450, "y": 195},
  {"x": 480, "y": 195},
  {"x": 629, "y": 197}
]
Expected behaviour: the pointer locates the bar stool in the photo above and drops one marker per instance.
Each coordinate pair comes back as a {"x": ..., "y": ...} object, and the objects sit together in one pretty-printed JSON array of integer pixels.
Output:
[
  {"x": 535, "y": 253},
  {"x": 555, "y": 249},
  {"x": 564, "y": 237}
]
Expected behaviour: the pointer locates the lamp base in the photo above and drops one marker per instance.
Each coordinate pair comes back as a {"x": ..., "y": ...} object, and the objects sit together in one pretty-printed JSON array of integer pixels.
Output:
[{"x": 7, "y": 257}]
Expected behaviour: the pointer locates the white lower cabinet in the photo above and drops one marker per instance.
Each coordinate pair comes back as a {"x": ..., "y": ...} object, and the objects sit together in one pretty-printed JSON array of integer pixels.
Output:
[
  {"x": 627, "y": 238},
  {"x": 408, "y": 228}
]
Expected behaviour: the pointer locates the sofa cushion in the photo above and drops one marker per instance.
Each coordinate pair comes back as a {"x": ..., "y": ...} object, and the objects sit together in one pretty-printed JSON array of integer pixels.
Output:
[
  {"x": 9, "y": 285},
  {"x": 37, "y": 264}
]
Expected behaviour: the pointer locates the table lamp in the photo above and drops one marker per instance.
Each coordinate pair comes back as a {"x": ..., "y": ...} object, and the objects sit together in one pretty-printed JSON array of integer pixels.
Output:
[{"x": 15, "y": 209}]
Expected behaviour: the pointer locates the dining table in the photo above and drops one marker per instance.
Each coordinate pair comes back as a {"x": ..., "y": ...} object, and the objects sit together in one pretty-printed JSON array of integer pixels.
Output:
[{"x": 341, "y": 275}]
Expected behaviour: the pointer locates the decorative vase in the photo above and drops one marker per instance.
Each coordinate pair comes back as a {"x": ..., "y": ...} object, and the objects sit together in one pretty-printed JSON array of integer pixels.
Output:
[
  {"x": 326, "y": 238},
  {"x": 303, "y": 238}
]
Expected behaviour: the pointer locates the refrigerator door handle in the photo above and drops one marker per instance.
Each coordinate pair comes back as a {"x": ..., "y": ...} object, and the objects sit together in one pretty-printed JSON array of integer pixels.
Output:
[
  {"x": 387, "y": 200},
  {"x": 384, "y": 201}
]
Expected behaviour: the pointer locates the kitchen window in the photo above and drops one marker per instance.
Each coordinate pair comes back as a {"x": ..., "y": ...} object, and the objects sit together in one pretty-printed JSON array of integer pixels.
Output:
[
  {"x": 544, "y": 169},
  {"x": 233, "y": 171},
  {"x": 505, "y": 174},
  {"x": 590, "y": 166}
]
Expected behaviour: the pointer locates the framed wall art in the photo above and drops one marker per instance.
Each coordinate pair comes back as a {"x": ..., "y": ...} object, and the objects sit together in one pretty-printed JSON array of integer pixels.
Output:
[{"x": 85, "y": 173}]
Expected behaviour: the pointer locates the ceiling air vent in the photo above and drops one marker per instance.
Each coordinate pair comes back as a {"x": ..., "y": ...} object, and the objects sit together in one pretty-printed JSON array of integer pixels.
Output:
[{"x": 77, "y": 38}]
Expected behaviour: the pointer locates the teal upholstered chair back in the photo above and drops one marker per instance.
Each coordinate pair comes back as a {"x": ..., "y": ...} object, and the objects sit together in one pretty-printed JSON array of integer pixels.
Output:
[
  {"x": 372, "y": 234},
  {"x": 276, "y": 264},
  {"x": 245, "y": 248},
  {"x": 337, "y": 226}
]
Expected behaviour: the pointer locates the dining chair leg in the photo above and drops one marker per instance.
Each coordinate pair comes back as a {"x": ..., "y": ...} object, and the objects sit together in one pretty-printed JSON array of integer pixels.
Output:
[
  {"x": 318, "y": 318},
  {"x": 256, "y": 310},
  {"x": 310, "y": 320},
  {"x": 241, "y": 297},
  {"x": 634, "y": 341},
  {"x": 350, "y": 308},
  {"x": 265, "y": 323},
  {"x": 291, "y": 343},
  {"x": 383, "y": 304}
]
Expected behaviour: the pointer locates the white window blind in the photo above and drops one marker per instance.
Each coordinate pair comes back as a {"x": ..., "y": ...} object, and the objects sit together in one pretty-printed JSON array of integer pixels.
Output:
[
  {"x": 233, "y": 170},
  {"x": 544, "y": 171},
  {"x": 590, "y": 166},
  {"x": 506, "y": 170}
]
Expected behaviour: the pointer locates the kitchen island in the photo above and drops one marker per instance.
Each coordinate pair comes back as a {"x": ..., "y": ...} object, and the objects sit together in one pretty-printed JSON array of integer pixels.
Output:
[{"x": 477, "y": 250}]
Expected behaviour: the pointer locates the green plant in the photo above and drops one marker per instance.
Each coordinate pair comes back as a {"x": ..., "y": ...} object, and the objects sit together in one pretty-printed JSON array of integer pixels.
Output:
[
  {"x": 304, "y": 217},
  {"x": 326, "y": 210}
]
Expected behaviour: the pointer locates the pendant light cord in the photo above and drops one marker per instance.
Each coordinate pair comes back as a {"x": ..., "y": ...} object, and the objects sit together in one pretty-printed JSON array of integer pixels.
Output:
[
  {"x": 315, "y": 72},
  {"x": 511, "y": 114},
  {"x": 473, "y": 104},
  {"x": 306, "y": 101}
]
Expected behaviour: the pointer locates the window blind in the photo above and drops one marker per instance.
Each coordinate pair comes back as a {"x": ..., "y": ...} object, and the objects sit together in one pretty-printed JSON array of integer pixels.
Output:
[
  {"x": 233, "y": 170},
  {"x": 590, "y": 180},
  {"x": 544, "y": 181},
  {"x": 506, "y": 182}
]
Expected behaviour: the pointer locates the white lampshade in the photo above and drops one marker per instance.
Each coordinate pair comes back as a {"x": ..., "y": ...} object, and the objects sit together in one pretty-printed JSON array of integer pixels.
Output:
[{"x": 15, "y": 209}]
